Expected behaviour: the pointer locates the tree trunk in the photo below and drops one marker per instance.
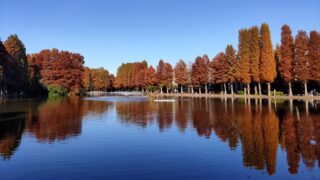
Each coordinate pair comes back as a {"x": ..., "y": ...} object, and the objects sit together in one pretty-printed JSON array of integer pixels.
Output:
[
  {"x": 255, "y": 90},
  {"x": 305, "y": 88},
  {"x": 248, "y": 88},
  {"x": 192, "y": 90},
  {"x": 225, "y": 88},
  {"x": 167, "y": 89},
  {"x": 245, "y": 91},
  {"x": 231, "y": 89},
  {"x": 259, "y": 88},
  {"x": 269, "y": 89},
  {"x": 206, "y": 86},
  {"x": 181, "y": 89},
  {"x": 221, "y": 89},
  {"x": 199, "y": 89},
  {"x": 161, "y": 90},
  {"x": 290, "y": 89}
]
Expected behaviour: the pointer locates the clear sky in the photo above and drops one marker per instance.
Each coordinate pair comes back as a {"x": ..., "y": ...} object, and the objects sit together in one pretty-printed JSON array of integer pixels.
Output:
[{"x": 109, "y": 32}]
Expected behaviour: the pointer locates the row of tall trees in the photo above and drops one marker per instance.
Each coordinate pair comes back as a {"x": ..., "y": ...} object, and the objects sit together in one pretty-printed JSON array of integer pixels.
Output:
[
  {"x": 131, "y": 76},
  {"x": 97, "y": 79},
  {"x": 253, "y": 64},
  {"x": 299, "y": 57}
]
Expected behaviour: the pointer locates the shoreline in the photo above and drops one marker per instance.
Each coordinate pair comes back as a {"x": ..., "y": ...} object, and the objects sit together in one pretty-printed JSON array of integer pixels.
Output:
[{"x": 235, "y": 96}]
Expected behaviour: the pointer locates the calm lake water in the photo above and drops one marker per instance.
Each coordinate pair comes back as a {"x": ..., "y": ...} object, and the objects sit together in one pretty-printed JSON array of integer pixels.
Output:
[{"x": 135, "y": 138}]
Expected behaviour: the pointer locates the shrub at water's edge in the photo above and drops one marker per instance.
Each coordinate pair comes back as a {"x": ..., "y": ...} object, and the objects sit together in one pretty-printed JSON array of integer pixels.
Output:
[{"x": 56, "y": 91}]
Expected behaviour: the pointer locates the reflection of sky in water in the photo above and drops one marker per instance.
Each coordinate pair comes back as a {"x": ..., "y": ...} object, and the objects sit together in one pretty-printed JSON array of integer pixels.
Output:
[{"x": 139, "y": 138}]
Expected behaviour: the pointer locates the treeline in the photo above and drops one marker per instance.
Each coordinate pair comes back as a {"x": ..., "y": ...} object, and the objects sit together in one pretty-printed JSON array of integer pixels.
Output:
[
  {"x": 49, "y": 72},
  {"x": 250, "y": 70},
  {"x": 254, "y": 68}
]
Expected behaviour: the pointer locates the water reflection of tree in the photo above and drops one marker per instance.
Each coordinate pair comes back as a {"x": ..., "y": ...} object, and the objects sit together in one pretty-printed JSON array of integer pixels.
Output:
[
  {"x": 48, "y": 121},
  {"x": 256, "y": 125},
  {"x": 56, "y": 120},
  {"x": 12, "y": 124},
  {"x": 60, "y": 119},
  {"x": 140, "y": 113},
  {"x": 10, "y": 136}
]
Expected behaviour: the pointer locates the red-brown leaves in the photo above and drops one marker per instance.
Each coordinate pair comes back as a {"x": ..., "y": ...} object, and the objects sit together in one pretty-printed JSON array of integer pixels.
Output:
[
  {"x": 301, "y": 60},
  {"x": 286, "y": 54},
  {"x": 164, "y": 74},
  {"x": 181, "y": 73},
  {"x": 220, "y": 68},
  {"x": 61, "y": 68},
  {"x": 314, "y": 55},
  {"x": 150, "y": 77},
  {"x": 200, "y": 70}
]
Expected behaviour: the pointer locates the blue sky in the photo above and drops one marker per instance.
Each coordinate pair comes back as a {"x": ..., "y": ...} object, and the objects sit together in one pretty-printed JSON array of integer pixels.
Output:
[{"x": 109, "y": 32}]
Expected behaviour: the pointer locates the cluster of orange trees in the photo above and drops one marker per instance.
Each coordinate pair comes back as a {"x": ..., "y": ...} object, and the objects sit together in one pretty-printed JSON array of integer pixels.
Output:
[
  {"x": 253, "y": 68},
  {"x": 59, "y": 72},
  {"x": 255, "y": 65}
]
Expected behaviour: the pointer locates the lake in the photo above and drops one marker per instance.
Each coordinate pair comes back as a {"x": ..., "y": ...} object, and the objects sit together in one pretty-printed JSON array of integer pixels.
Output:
[{"x": 137, "y": 138}]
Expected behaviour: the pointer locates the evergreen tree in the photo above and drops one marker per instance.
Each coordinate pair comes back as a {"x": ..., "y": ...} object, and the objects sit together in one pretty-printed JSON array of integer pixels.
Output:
[{"x": 268, "y": 65}]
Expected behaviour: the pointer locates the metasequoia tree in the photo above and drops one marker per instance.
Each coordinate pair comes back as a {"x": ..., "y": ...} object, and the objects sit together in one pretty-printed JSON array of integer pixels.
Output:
[
  {"x": 150, "y": 77},
  {"x": 61, "y": 68},
  {"x": 314, "y": 55},
  {"x": 255, "y": 58},
  {"x": 301, "y": 60},
  {"x": 267, "y": 62},
  {"x": 181, "y": 74},
  {"x": 168, "y": 75},
  {"x": 200, "y": 72},
  {"x": 164, "y": 75},
  {"x": 220, "y": 69},
  {"x": 230, "y": 53},
  {"x": 87, "y": 79},
  {"x": 100, "y": 78},
  {"x": 129, "y": 76},
  {"x": 160, "y": 75},
  {"x": 243, "y": 66},
  {"x": 286, "y": 56}
]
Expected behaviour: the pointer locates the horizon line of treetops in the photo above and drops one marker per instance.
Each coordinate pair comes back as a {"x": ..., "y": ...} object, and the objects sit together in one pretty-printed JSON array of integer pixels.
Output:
[{"x": 254, "y": 68}]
